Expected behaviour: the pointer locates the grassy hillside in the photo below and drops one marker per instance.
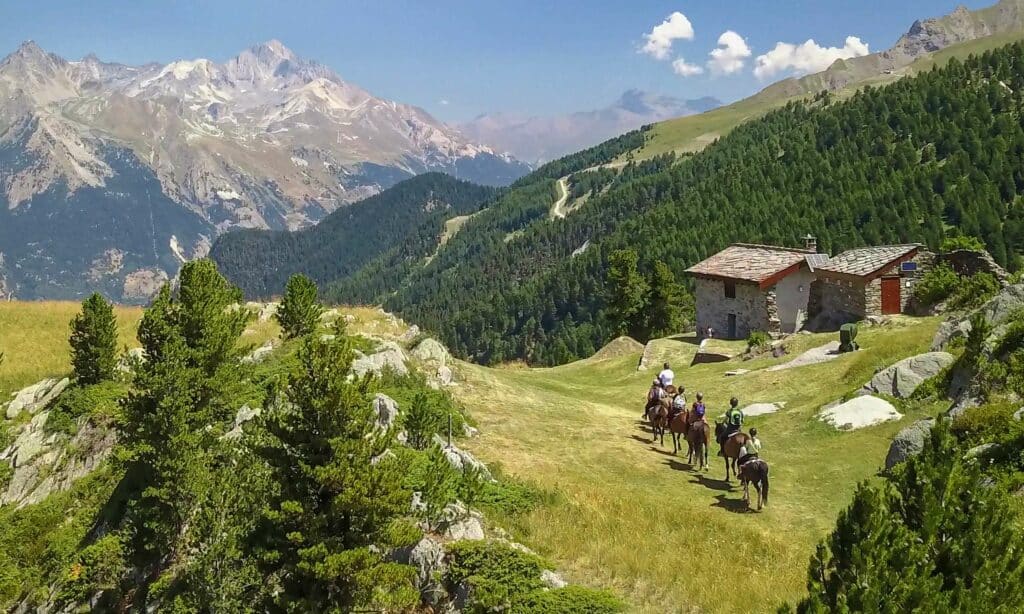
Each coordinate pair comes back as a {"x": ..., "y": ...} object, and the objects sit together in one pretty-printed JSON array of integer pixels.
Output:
[
  {"x": 634, "y": 518},
  {"x": 694, "y": 132}
]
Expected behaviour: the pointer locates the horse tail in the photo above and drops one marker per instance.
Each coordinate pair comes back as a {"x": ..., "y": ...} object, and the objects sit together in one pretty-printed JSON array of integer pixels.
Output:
[{"x": 765, "y": 480}]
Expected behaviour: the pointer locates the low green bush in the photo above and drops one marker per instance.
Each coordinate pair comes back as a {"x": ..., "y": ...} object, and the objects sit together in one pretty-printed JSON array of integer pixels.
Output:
[
  {"x": 936, "y": 285},
  {"x": 512, "y": 497},
  {"x": 985, "y": 423},
  {"x": 499, "y": 576},
  {"x": 758, "y": 340},
  {"x": 962, "y": 242},
  {"x": 98, "y": 402},
  {"x": 942, "y": 283},
  {"x": 571, "y": 600},
  {"x": 974, "y": 291}
]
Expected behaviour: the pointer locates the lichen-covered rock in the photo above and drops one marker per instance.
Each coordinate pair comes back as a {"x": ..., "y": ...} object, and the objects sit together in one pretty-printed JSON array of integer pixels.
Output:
[
  {"x": 390, "y": 355},
  {"x": 908, "y": 442},
  {"x": 243, "y": 415},
  {"x": 431, "y": 351},
  {"x": 459, "y": 458},
  {"x": 130, "y": 359},
  {"x": 428, "y": 558},
  {"x": 445, "y": 376},
  {"x": 460, "y": 523},
  {"x": 902, "y": 379},
  {"x": 259, "y": 354},
  {"x": 552, "y": 579},
  {"x": 36, "y": 397},
  {"x": 385, "y": 411},
  {"x": 469, "y": 431}
]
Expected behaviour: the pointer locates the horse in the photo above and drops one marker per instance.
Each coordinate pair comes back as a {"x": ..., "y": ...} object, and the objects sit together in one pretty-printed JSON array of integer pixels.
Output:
[
  {"x": 731, "y": 447},
  {"x": 755, "y": 471},
  {"x": 658, "y": 416},
  {"x": 679, "y": 426},
  {"x": 698, "y": 436}
]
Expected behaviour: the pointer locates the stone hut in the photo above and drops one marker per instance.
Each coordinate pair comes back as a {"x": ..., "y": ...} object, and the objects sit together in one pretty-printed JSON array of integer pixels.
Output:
[
  {"x": 867, "y": 281},
  {"x": 746, "y": 288}
]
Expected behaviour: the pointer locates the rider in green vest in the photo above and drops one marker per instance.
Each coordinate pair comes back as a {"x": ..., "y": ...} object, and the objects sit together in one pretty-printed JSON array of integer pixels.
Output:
[{"x": 733, "y": 422}]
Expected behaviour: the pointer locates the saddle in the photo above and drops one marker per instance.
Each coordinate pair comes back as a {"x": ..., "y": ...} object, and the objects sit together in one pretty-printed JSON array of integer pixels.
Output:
[{"x": 746, "y": 459}]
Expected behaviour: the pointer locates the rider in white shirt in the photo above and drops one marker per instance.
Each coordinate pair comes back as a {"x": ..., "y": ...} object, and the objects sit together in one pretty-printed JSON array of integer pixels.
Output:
[{"x": 666, "y": 376}]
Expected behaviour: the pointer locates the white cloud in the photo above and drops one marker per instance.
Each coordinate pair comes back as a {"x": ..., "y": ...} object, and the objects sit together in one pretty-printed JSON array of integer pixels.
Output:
[
  {"x": 443, "y": 102},
  {"x": 659, "y": 39},
  {"x": 730, "y": 55},
  {"x": 806, "y": 58},
  {"x": 684, "y": 69}
]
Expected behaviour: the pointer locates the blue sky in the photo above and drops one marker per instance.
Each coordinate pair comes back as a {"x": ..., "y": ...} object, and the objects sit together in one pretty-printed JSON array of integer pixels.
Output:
[{"x": 460, "y": 58}]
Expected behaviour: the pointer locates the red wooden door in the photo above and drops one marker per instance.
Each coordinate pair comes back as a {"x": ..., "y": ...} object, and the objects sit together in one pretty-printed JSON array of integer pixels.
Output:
[{"x": 891, "y": 295}]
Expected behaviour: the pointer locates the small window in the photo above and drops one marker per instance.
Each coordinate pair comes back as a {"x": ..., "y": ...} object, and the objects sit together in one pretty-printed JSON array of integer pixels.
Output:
[{"x": 730, "y": 289}]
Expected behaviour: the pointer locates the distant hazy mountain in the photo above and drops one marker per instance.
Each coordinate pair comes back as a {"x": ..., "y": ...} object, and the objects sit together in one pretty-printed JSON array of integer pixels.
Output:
[
  {"x": 110, "y": 175},
  {"x": 538, "y": 139}
]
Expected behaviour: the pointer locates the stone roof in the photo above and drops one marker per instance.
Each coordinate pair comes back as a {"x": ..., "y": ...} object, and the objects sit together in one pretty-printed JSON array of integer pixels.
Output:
[
  {"x": 864, "y": 261},
  {"x": 745, "y": 262}
]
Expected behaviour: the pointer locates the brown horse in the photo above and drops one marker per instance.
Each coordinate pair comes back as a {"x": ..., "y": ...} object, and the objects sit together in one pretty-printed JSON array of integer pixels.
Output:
[
  {"x": 698, "y": 436},
  {"x": 731, "y": 447},
  {"x": 679, "y": 426},
  {"x": 658, "y": 417},
  {"x": 755, "y": 471}
]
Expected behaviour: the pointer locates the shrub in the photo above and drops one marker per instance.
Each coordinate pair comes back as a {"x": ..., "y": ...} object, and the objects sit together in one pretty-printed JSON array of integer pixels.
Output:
[
  {"x": 98, "y": 402},
  {"x": 571, "y": 600},
  {"x": 758, "y": 340},
  {"x": 936, "y": 285},
  {"x": 512, "y": 497},
  {"x": 423, "y": 419},
  {"x": 974, "y": 291},
  {"x": 98, "y": 567},
  {"x": 962, "y": 242},
  {"x": 984, "y": 423},
  {"x": 499, "y": 576},
  {"x": 94, "y": 341},
  {"x": 299, "y": 313}
]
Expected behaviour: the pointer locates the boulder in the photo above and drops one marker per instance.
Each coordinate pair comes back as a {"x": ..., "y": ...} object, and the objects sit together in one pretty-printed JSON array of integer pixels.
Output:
[
  {"x": 908, "y": 442},
  {"x": 267, "y": 311},
  {"x": 1019, "y": 414},
  {"x": 552, "y": 579},
  {"x": 259, "y": 354},
  {"x": 761, "y": 409},
  {"x": 330, "y": 314},
  {"x": 445, "y": 376},
  {"x": 902, "y": 379},
  {"x": 459, "y": 523},
  {"x": 385, "y": 411},
  {"x": 131, "y": 358},
  {"x": 459, "y": 458},
  {"x": 36, "y": 397},
  {"x": 859, "y": 412},
  {"x": 411, "y": 333},
  {"x": 981, "y": 451},
  {"x": 243, "y": 415},
  {"x": 469, "y": 431},
  {"x": 431, "y": 351},
  {"x": 996, "y": 311},
  {"x": 428, "y": 558},
  {"x": 389, "y": 355}
]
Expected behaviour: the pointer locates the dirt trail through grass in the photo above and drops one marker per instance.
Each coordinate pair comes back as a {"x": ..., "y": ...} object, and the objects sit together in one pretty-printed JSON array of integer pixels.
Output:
[{"x": 635, "y": 518}]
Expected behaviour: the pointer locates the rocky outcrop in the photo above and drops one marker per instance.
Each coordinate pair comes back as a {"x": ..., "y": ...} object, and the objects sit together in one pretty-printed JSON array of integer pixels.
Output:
[
  {"x": 997, "y": 312},
  {"x": 459, "y": 523},
  {"x": 459, "y": 458},
  {"x": 431, "y": 351},
  {"x": 259, "y": 354},
  {"x": 36, "y": 397},
  {"x": 385, "y": 411},
  {"x": 45, "y": 463},
  {"x": 902, "y": 379},
  {"x": 427, "y": 556},
  {"x": 242, "y": 416},
  {"x": 967, "y": 262},
  {"x": 390, "y": 355},
  {"x": 908, "y": 442},
  {"x": 859, "y": 412}
]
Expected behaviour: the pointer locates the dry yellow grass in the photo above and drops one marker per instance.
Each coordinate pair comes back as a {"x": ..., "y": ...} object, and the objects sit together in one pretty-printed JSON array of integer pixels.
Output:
[{"x": 635, "y": 518}]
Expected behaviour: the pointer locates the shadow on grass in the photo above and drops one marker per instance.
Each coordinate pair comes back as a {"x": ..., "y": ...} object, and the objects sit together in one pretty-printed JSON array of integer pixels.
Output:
[
  {"x": 679, "y": 465},
  {"x": 640, "y": 439},
  {"x": 736, "y": 506},
  {"x": 711, "y": 483},
  {"x": 704, "y": 358},
  {"x": 662, "y": 451}
]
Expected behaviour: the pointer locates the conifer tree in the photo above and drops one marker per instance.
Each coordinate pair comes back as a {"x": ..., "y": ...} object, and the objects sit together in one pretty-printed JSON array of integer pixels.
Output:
[
  {"x": 179, "y": 407},
  {"x": 339, "y": 495},
  {"x": 935, "y": 539},
  {"x": 299, "y": 313},
  {"x": 94, "y": 341},
  {"x": 626, "y": 291},
  {"x": 669, "y": 306},
  {"x": 422, "y": 421}
]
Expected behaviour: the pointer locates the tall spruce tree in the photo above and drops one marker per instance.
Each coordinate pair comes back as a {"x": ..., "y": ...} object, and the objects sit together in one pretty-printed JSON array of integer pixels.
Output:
[
  {"x": 669, "y": 307},
  {"x": 299, "y": 313},
  {"x": 339, "y": 496},
  {"x": 180, "y": 405},
  {"x": 626, "y": 291},
  {"x": 934, "y": 539},
  {"x": 94, "y": 341}
]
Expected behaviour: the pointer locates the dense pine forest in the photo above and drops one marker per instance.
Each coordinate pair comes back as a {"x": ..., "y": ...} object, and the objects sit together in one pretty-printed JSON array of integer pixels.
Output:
[
  {"x": 909, "y": 162},
  {"x": 401, "y": 224}
]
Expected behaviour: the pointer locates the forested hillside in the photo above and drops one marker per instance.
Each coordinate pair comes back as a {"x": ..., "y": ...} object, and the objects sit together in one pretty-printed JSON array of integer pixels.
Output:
[
  {"x": 905, "y": 163},
  {"x": 403, "y": 223}
]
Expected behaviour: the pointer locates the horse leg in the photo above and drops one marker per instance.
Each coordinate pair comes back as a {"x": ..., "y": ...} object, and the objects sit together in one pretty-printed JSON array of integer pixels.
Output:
[
  {"x": 726, "y": 468},
  {"x": 757, "y": 486},
  {"x": 746, "y": 492}
]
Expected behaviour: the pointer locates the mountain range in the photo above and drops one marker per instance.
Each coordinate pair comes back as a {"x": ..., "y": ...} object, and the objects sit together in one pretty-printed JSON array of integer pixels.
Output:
[
  {"x": 111, "y": 175},
  {"x": 539, "y": 139}
]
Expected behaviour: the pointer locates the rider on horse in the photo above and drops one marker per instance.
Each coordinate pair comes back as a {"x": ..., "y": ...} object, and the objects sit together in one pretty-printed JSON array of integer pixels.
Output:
[
  {"x": 653, "y": 396},
  {"x": 750, "y": 450},
  {"x": 678, "y": 403},
  {"x": 699, "y": 410},
  {"x": 733, "y": 423}
]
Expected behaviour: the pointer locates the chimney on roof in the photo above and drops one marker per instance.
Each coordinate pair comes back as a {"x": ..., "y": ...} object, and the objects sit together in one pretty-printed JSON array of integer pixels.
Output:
[{"x": 811, "y": 243}]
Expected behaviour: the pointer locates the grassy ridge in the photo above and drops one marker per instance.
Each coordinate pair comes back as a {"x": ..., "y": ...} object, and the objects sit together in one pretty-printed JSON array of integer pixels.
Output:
[
  {"x": 694, "y": 132},
  {"x": 635, "y": 519}
]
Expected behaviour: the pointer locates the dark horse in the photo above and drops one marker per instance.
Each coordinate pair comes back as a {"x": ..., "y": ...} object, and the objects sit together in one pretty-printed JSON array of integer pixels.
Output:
[
  {"x": 678, "y": 425},
  {"x": 731, "y": 447},
  {"x": 658, "y": 417},
  {"x": 755, "y": 471},
  {"x": 698, "y": 436}
]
